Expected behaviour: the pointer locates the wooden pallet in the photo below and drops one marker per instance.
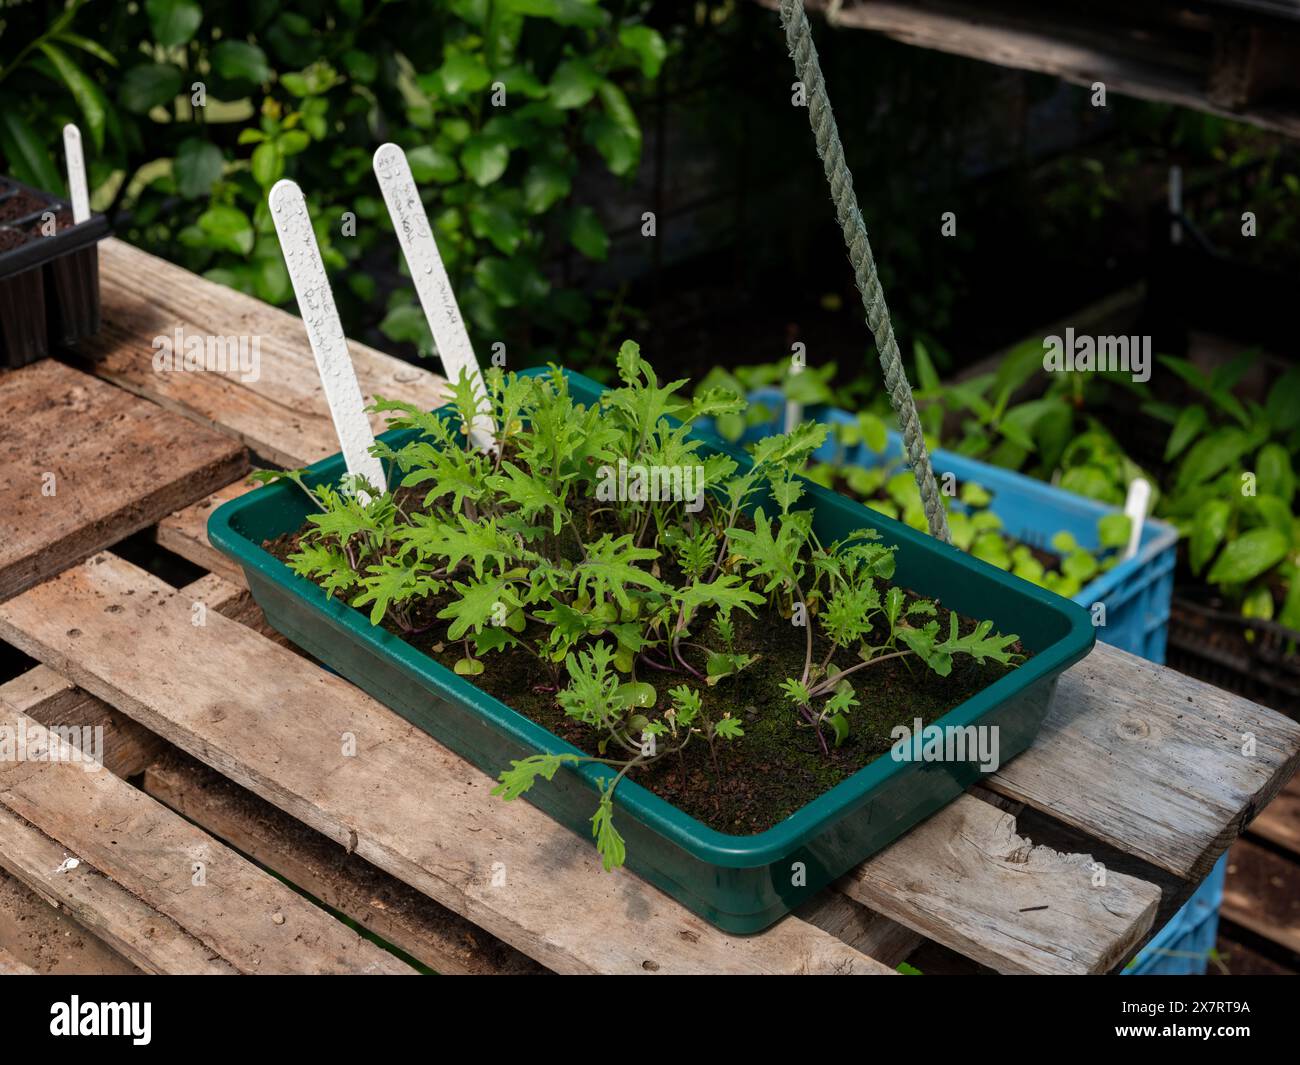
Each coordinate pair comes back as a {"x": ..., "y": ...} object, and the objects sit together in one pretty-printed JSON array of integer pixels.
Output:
[{"x": 225, "y": 763}]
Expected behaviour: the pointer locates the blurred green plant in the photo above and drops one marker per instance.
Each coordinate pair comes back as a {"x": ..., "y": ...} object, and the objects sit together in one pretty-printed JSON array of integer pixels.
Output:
[
  {"x": 193, "y": 112},
  {"x": 1052, "y": 435},
  {"x": 889, "y": 488},
  {"x": 1233, "y": 490}
]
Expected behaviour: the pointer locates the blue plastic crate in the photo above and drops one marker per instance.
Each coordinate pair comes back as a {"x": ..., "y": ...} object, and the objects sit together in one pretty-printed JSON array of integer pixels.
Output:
[
  {"x": 1182, "y": 947},
  {"x": 1136, "y": 593}
]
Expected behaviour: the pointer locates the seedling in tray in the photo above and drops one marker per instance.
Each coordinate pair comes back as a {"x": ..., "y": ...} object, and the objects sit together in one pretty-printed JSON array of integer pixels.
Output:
[{"x": 661, "y": 632}]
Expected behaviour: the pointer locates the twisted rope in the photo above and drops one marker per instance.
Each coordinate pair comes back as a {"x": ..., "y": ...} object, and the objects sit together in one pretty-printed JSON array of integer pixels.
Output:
[{"x": 798, "y": 35}]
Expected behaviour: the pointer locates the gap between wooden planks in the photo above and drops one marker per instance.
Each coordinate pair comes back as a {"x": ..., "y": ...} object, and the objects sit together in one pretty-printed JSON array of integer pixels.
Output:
[
  {"x": 48, "y": 940},
  {"x": 421, "y": 813},
  {"x": 133, "y": 928},
  {"x": 234, "y": 909},
  {"x": 381, "y": 904},
  {"x": 1133, "y": 754}
]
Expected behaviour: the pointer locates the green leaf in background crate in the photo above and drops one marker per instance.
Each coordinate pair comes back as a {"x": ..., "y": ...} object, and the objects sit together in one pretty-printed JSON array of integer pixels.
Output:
[
  {"x": 1114, "y": 530},
  {"x": 927, "y": 378},
  {"x": 864, "y": 480},
  {"x": 992, "y": 548},
  {"x": 227, "y": 227},
  {"x": 1273, "y": 472},
  {"x": 1208, "y": 530},
  {"x": 240, "y": 61},
  {"x": 484, "y": 158},
  {"x": 902, "y": 489},
  {"x": 198, "y": 165},
  {"x": 1092, "y": 482},
  {"x": 1272, "y": 511},
  {"x": 1063, "y": 543},
  {"x": 1290, "y": 615},
  {"x": 1246, "y": 557},
  {"x": 28, "y": 159},
  {"x": 961, "y": 529},
  {"x": 974, "y": 495},
  {"x": 1017, "y": 424},
  {"x": 1258, "y": 603},
  {"x": 1025, "y": 565},
  {"x": 573, "y": 84},
  {"x": 148, "y": 86},
  {"x": 874, "y": 433},
  {"x": 173, "y": 22},
  {"x": 647, "y": 45},
  {"x": 587, "y": 234},
  {"x": 1283, "y": 403},
  {"x": 87, "y": 94},
  {"x": 1079, "y": 565},
  {"x": 1210, "y": 455},
  {"x": 1187, "y": 428}
]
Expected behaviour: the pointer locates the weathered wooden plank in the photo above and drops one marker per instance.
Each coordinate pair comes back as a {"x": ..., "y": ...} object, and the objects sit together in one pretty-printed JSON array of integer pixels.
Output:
[
  {"x": 125, "y": 747},
  {"x": 380, "y": 903},
  {"x": 83, "y": 464},
  {"x": 965, "y": 879},
  {"x": 50, "y": 941},
  {"x": 281, "y": 413},
  {"x": 1280, "y": 820},
  {"x": 137, "y": 931},
  {"x": 230, "y": 905},
  {"x": 1160, "y": 765},
  {"x": 1260, "y": 894},
  {"x": 276, "y": 724}
]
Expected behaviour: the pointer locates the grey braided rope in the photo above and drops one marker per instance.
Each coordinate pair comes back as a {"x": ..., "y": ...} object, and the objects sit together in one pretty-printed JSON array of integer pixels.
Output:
[{"x": 798, "y": 36}]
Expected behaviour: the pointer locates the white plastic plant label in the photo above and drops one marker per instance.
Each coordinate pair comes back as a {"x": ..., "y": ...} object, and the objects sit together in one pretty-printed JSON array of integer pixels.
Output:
[
  {"x": 325, "y": 332},
  {"x": 431, "y": 282},
  {"x": 76, "y": 160}
]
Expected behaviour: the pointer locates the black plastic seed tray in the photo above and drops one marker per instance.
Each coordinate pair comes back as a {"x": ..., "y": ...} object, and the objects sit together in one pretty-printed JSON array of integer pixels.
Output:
[{"x": 49, "y": 273}]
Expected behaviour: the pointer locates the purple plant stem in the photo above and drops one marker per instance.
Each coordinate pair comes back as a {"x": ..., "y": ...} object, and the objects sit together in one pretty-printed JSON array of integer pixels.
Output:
[{"x": 812, "y": 720}]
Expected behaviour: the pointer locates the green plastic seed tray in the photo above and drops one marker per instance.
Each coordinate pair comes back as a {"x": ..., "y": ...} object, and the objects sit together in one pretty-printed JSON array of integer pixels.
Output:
[{"x": 739, "y": 883}]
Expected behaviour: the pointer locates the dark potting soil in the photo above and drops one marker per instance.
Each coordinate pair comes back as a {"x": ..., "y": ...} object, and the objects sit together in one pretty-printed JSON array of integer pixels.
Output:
[
  {"x": 19, "y": 205},
  {"x": 15, "y": 236},
  {"x": 747, "y": 785}
]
